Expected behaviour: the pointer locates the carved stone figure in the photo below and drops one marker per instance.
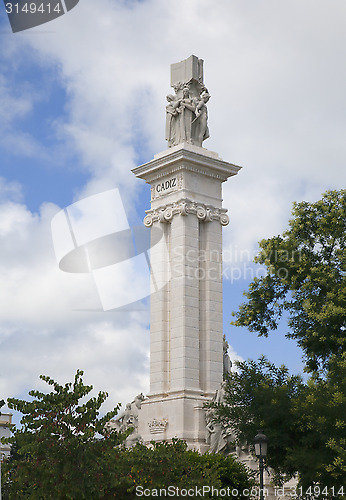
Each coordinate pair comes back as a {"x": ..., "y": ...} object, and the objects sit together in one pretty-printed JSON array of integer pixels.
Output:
[
  {"x": 128, "y": 419},
  {"x": 227, "y": 363},
  {"x": 217, "y": 436},
  {"x": 219, "y": 396},
  {"x": 187, "y": 109},
  {"x": 186, "y": 112},
  {"x": 135, "y": 406},
  {"x": 201, "y": 128},
  {"x": 171, "y": 120}
]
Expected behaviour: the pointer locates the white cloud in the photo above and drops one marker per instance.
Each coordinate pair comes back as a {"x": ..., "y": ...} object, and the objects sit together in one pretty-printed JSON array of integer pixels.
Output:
[
  {"x": 123, "y": 372},
  {"x": 46, "y": 327},
  {"x": 234, "y": 357}
]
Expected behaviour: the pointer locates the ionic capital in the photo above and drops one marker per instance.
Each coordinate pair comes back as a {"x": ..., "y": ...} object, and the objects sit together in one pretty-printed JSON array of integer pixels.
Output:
[{"x": 185, "y": 207}]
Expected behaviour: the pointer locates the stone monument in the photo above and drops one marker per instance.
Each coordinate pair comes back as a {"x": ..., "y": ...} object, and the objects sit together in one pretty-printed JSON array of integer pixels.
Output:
[{"x": 186, "y": 334}]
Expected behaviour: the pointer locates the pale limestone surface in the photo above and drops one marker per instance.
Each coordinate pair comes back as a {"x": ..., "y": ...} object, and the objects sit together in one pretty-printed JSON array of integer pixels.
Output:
[{"x": 186, "y": 338}]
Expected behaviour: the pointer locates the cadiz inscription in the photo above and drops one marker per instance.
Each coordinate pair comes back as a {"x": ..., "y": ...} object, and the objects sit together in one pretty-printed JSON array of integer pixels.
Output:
[{"x": 166, "y": 185}]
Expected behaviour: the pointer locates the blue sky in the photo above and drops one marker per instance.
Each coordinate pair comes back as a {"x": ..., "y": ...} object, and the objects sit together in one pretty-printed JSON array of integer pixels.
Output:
[
  {"x": 55, "y": 169},
  {"x": 82, "y": 103}
]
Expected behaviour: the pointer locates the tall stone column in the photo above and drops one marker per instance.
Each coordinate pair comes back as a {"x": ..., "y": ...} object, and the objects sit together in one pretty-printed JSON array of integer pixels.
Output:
[{"x": 186, "y": 338}]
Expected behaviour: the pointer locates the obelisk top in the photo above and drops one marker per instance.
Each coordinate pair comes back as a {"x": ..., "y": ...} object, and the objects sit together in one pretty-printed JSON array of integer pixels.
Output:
[{"x": 187, "y": 70}]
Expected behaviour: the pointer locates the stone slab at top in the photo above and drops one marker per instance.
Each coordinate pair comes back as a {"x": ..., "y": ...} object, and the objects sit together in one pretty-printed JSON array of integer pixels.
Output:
[
  {"x": 189, "y": 157},
  {"x": 187, "y": 70}
]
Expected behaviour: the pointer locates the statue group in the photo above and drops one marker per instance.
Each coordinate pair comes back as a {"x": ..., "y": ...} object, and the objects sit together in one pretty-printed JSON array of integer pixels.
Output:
[
  {"x": 187, "y": 117},
  {"x": 128, "y": 419}
]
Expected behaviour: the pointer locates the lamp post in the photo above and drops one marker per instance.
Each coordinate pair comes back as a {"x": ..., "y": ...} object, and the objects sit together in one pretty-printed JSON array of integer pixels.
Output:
[
  {"x": 261, "y": 444},
  {"x": 2, "y": 402},
  {"x": 0, "y": 472}
]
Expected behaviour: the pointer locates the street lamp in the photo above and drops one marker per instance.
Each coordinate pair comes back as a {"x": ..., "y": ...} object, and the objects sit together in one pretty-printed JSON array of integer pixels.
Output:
[
  {"x": 2, "y": 402},
  {"x": 261, "y": 444},
  {"x": 0, "y": 472}
]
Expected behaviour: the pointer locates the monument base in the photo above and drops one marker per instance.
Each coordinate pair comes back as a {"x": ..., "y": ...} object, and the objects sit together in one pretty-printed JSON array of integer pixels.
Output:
[{"x": 175, "y": 415}]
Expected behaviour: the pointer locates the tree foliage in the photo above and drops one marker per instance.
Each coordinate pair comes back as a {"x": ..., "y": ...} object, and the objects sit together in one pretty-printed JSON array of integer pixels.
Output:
[
  {"x": 305, "y": 423},
  {"x": 63, "y": 451},
  {"x": 306, "y": 281},
  {"x": 260, "y": 395},
  {"x": 306, "y": 277},
  {"x": 321, "y": 416},
  {"x": 62, "y": 448},
  {"x": 171, "y": 464}
]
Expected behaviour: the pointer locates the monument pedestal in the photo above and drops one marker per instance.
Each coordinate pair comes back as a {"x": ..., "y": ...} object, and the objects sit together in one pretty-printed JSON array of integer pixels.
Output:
[
  {"x": 186, "y": 337},
  {"x": 174, "y": 415}
]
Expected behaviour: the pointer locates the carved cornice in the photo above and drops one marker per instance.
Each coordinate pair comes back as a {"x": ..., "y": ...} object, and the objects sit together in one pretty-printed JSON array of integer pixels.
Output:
[
  {"x": 186, "y": 157},
  {"x": 157, "y": 426},
  {"x": 185, "y": 207},
  {"x": 187, "y": 167}
]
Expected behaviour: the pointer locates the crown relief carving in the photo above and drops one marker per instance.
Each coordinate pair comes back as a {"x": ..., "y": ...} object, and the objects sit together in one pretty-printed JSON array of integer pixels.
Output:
[
  {"x": 157, "y": 426},
  {"x": 203, "y": 213}
]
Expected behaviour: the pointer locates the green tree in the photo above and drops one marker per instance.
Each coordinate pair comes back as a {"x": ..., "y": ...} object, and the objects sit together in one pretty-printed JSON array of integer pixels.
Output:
[
  {"x": 62, "y": 449},
  {"x": 305, "y": 423},
  {"x": 306, "y": 278},
  {"x": 171, "y": 464},
  {"x": 320, "y": 454},
  {"x": 306, "y": 283},
  {"x": 261, "y": 395}
]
